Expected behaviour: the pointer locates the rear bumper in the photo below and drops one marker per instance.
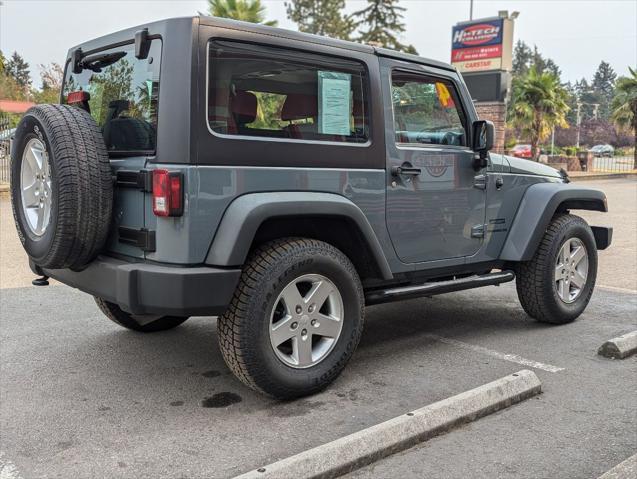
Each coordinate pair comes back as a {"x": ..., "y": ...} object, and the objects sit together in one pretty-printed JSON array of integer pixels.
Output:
[{"x": 146, "y": 288}]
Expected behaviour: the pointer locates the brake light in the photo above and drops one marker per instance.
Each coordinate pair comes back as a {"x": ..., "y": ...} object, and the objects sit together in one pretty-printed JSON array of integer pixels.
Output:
[
  {"x": 77, "y": 97},
  {"x": 168, "y": 193}
]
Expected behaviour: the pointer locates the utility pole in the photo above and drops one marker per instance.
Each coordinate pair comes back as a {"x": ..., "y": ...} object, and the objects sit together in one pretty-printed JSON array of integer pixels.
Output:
[
  {"x": 595, "y": 110},
  {"x": 553, "y": 140},
  {"x": 578, "y": 122},
  {"x": 470, "y": 9}
]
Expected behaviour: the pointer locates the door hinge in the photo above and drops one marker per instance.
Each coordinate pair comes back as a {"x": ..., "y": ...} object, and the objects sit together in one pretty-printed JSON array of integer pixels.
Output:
[
  {"x": 142, "y": 238},
  {"x": 477, "y": 231},
  {"x": 141, "y": 180},
  {"x": 480, "y": 182}
]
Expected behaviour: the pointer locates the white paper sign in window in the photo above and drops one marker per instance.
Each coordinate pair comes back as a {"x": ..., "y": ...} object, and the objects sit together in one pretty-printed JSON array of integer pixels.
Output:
[{"x": 334, "y": 102}]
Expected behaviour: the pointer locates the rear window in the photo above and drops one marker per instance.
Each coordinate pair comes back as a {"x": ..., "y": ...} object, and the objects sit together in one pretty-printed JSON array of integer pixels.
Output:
[
  {"x": 279, "y": 93},
  {"x": 123, "y": 94}
]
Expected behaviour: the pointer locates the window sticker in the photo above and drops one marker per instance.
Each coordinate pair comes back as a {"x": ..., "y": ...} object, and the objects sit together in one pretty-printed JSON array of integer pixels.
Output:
[
  {"x": 334, "y": 103},
  {"x": 444, "y": 97}
]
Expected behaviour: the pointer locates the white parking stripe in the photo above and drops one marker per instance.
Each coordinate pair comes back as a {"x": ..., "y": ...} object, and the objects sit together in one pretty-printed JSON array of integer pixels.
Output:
[
  {"x": 619, "y": 290},
  {"x": 513, "y": 358},
  {"x": 8, "y": 469}
]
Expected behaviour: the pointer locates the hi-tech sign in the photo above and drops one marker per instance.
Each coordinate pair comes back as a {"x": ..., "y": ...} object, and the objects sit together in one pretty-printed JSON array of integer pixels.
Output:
[{"x": 482, "y": 45}]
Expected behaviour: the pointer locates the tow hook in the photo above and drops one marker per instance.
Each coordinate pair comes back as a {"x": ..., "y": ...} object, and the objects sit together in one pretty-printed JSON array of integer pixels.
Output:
[{"x": 41, "y": 281}]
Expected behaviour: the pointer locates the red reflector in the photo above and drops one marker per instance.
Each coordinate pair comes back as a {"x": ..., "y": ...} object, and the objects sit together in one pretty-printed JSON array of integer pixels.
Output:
[
  {"x": 77, "y": 97},
  {"x": 167, "y": 193}
]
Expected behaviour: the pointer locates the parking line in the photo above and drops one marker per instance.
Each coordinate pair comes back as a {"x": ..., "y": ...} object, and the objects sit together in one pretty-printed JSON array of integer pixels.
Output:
[
  {"x": 513, "y": 358},
  {"x": 619, "y": 290},
  {"x": 8, "y": 469}
]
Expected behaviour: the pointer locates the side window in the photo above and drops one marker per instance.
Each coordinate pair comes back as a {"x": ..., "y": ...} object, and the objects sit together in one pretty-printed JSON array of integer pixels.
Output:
[
  {"x": 427, "y": 111},
  {"x": 278, "y": 93}
]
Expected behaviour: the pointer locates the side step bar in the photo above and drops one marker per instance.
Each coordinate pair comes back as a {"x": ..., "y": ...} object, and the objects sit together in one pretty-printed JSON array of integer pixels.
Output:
[{"x": 437, "y": 287}]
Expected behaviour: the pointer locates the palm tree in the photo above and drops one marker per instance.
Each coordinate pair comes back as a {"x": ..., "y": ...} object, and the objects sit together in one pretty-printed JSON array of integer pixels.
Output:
[
  {"x": 539, "y": 105},
  {"x": 624, "y": 106},
  {"x": 247, "y": 10}
]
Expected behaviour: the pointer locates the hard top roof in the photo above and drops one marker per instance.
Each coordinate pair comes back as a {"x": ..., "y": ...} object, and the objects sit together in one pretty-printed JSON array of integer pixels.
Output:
[
  {"x": 164, "y": 25},
  {"x": 319, "y": 39}
]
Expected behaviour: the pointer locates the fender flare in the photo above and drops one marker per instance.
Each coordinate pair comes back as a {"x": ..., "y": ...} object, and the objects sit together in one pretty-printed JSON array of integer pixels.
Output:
[
  {"x": 538, "y": 206},
  {"x": 244, "y": 216}
]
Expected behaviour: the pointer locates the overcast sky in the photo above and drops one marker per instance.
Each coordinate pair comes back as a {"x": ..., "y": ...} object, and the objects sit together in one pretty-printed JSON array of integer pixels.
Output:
[{"x": 576, "y": 34}]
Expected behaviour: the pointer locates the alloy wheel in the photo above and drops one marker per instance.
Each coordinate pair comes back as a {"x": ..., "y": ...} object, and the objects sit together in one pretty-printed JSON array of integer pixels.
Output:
[
  {"x": 306, "y": 321},
  {"x": 571, "y": 270}
]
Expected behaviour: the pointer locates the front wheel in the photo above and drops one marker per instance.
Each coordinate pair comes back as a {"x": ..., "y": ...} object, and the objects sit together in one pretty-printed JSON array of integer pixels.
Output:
[
  {"x": 295, "y": 318},
  {"x": 557, "y": 284}
]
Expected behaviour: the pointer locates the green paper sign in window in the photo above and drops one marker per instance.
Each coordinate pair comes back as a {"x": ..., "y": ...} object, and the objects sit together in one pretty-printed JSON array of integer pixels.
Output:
[{"x": 334, "y": 103}]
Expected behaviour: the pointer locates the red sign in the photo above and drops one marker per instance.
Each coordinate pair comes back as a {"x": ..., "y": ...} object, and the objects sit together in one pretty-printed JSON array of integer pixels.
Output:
[{"x": 476, "y": 53}]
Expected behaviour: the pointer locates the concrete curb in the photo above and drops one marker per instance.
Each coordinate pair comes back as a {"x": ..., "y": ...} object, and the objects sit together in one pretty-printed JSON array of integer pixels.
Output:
[
  {"x": 364, "y": 447},
  {"x": 623, "y": 470},
  {"x": 619, "y": 348},
  {"x": 603, "y": 176}
]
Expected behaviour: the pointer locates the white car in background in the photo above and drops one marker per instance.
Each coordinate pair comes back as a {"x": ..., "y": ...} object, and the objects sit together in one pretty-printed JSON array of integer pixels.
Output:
[{"x": 602, "y": 150}]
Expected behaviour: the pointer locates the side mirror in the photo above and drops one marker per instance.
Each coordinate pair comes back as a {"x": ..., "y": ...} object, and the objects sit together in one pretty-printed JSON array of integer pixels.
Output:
[{"x": 483, "y": 136}]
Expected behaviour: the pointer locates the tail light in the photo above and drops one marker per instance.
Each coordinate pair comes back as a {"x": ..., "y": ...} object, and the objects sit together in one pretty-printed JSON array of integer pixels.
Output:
[
  {"x": 77, "y": 97},
  {"x": 168, "y": 193}
]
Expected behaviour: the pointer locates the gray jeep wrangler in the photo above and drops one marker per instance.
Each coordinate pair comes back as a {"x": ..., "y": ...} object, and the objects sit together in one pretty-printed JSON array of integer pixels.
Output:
[{"x": 282, "y": 182}]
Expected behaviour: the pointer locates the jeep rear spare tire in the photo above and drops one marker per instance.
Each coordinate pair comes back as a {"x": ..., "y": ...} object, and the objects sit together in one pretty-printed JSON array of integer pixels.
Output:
[{"x": 61, "y": 186}]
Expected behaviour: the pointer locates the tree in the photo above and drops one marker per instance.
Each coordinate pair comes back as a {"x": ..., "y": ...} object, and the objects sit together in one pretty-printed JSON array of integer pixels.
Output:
[
  {"x": 321, "y": 17},
  {"x": 382, "y": 24},
  {"x": 246, "y": 10},
  {"x": 539, "y": 105},
  {"x": 624, "y": 106},
  {"x": 522, "y": 55},
  {"x": 542, "y": 64},
  {"x": 18, "y": 69},
  {"x": 51, "y": 75},
  {"x": 9, "y": 89},
  {"x": 3, "y": 61},
  {"x": 524, "y": 58},
  {"x": 603, "y": 86}
]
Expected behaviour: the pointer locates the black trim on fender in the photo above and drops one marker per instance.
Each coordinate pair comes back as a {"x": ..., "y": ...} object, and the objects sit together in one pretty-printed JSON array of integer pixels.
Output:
[
  {"x": 245, "y": 214},
  {"x": 538, "y": 206},
  {"x": 603, "y": 236},
  {"x": 148, "y": 288}
]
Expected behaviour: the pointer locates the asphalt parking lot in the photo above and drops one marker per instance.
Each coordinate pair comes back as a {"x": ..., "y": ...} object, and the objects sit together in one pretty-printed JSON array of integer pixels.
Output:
[{"x": 80, "y": 397}]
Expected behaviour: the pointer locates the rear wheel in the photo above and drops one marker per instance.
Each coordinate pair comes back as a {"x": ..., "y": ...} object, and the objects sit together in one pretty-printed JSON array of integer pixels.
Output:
[
  {"x": 142, "y": 324},
  {"x": 557, "y": 284},
  {"x": 295, "y": 319}
]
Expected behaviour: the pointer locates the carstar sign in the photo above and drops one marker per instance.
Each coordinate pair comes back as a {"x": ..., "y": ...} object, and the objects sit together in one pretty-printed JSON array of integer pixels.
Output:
[{"x": 478, "y": 45}]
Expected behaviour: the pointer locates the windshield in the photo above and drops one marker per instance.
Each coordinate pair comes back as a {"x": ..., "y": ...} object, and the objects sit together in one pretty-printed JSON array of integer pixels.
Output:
[{"x": 122, "y": 98}]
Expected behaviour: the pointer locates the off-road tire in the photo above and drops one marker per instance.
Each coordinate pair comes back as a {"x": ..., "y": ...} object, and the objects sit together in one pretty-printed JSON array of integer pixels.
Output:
[
  {"x": 81, "y": 186},
  {"x": 535, "y": 278},
  {"x": 128, "y": 321},
  {"x": 244, "y": 328}
]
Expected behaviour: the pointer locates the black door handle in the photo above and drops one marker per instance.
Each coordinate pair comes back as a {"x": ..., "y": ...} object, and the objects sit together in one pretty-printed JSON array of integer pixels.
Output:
[
  {"x": 499, "y": 182},
  {"x": 405, "y": 169}
]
